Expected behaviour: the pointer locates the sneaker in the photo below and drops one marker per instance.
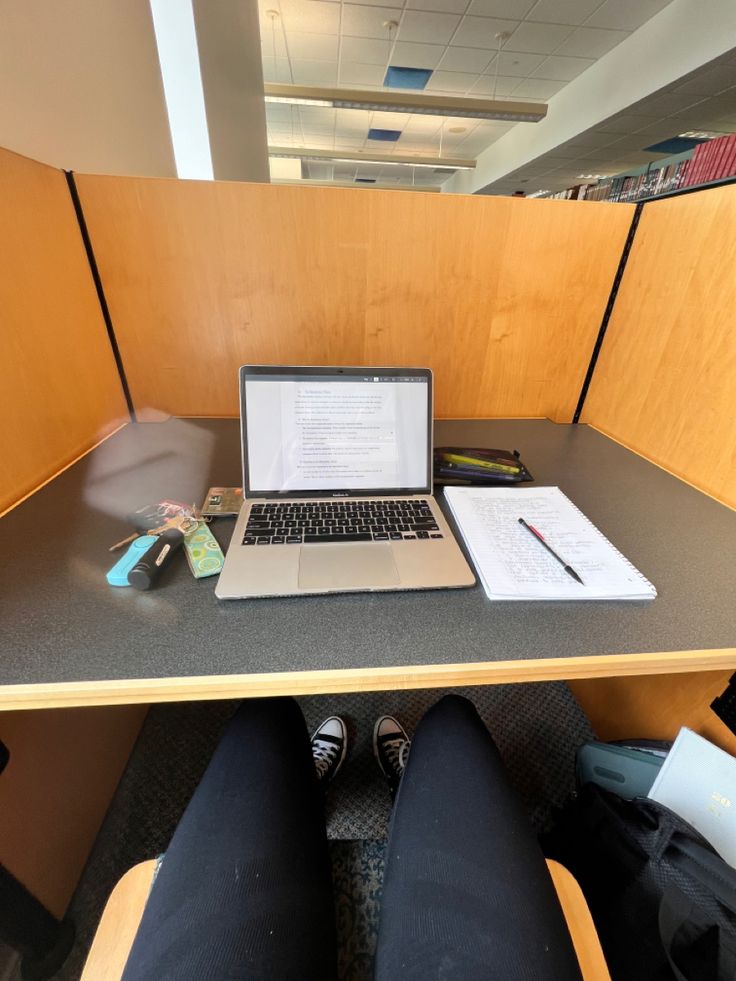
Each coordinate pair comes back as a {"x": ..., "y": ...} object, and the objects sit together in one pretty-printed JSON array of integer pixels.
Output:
[
  {"x": 329, "y": 746},
  {"x": 391, "y": 748}
]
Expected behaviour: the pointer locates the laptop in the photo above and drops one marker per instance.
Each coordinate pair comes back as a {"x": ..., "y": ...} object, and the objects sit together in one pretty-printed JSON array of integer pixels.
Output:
[{"x": 337, "y": 486}]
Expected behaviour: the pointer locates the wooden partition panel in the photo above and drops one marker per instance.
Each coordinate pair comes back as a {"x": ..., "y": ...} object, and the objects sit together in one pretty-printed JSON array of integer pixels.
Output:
[
  {"x": 60, "y": 392},
  {"x": 502, "y": 298},
  {"x": 665, "y": 384},
  {"x": 54, "y": 794}
]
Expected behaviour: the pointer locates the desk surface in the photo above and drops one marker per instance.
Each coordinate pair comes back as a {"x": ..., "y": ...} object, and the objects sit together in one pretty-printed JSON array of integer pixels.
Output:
[{"x": 70, "y": 639}]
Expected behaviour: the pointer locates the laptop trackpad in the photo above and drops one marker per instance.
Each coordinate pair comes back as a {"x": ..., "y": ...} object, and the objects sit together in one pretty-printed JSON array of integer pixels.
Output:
[{"x": 337, "y": 567}]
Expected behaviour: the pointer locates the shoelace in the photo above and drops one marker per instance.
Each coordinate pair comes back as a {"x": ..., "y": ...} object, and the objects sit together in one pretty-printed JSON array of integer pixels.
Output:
[
  {"x": 397, "y": 753},
  {"x": 324, "y": 754}
]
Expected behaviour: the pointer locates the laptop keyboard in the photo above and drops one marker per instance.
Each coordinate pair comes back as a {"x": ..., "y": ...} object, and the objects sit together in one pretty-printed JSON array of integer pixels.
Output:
[{"x": 341, "y": 521}]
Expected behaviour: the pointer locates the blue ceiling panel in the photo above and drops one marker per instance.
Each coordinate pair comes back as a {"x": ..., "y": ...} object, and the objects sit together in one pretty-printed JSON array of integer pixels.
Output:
[
  {"x": 384, "y": 135},
  {"x": 406, "y": 78}
]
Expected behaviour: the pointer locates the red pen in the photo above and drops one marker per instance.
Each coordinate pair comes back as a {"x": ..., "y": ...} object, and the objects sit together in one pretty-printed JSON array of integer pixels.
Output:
[{"x": 540, "y": 538}]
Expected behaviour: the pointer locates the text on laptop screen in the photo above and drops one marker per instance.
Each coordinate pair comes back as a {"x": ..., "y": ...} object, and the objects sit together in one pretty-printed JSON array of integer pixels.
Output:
[{"x": 317, "y": 432}]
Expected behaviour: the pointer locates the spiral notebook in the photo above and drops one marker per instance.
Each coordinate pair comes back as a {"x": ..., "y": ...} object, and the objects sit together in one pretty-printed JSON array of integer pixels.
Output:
[{"x": 513, "y": 565}]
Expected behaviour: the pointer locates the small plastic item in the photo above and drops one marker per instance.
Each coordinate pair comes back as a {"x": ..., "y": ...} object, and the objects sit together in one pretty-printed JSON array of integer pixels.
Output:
[
  {"x": 145, "y": 572},
  {"x": 204, "y": 554},
  {"x": 118, "y": 575}
]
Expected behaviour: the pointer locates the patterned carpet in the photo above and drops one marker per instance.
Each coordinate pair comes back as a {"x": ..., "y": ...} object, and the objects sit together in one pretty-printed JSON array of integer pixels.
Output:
[{"x": 537, "y": 728}]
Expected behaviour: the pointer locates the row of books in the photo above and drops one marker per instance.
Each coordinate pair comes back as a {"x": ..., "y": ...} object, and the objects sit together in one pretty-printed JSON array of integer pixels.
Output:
[{"x": 711, "y": 161}]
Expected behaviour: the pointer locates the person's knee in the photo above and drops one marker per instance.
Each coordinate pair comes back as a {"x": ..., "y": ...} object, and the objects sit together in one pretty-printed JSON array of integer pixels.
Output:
[{"x": 453, "y": 705}]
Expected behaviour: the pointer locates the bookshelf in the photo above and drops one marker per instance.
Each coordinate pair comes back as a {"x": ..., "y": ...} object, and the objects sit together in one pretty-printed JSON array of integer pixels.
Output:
[{"x": 709, "y": 164}]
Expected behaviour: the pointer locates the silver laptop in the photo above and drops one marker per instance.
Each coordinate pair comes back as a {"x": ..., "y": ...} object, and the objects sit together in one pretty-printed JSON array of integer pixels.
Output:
[{"x": 337, "y": 485}]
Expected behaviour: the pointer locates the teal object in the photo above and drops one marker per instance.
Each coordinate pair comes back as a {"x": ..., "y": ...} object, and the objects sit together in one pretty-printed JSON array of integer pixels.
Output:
[
  {"x": 118, "y": 575},
  {"x": 203, "y": 552}
]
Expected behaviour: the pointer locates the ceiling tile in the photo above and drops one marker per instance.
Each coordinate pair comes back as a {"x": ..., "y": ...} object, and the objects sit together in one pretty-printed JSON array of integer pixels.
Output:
[
  {"x": 488, "y": 85},
  {"x": 277, "y": 113},
  {"x": 441, "y": 6},
  {"x": 457, "y": 59},
  {"x": 634, "y": 141},
  {"x": 696, "y": 117},
  {"x": 353, "y": 120},
  {"x": 625, "y": 15},
  {"x": 365, "y": 51},
  {"x": 317, "y": 115},
  {"x": 314, "y": 72},
  {"x": 562, "y": 153},
  {"x": 480, "y": 32},
  {"x": 573, "y": 12},
  {"x": 360, "y": 20},
  {"x": 538, "y": 38},
  {"x": 422, "y": 124},
  {"x": 607, "y": 154},
  {"x": 356, "y": 74},
  {"x": 276, "y": 70},
  {"x": 458, "y": 82},
  {"x": 709, "y": 81},
  {"x": 407, "y": 54},
  {"x": 624, "y": 123},
  {"x": 591, "y": 42},
  {"x": 562, "y": 68},
  {"x": 590, "y": 140},
  {"x": 664, "y": 104},
  {"x": 538, "y": 88},
  {"x": 511, "y": 9},
  {"x": 389, "y": 120},
  {"x": 316, "y": 47},
  {"x": 660, "y": 130},
  {"x": 518, "y": 63},
  {"x": 316, "y": 16},
  {"x": 420, "y": 25}
]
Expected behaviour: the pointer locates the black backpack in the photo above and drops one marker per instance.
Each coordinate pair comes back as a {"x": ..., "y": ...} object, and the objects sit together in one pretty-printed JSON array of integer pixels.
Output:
[{"x": 663, "y": 901}]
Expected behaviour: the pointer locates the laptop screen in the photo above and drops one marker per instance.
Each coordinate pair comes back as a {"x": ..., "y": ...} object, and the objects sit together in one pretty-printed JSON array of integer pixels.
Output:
[{"x": 336, "y": 430}]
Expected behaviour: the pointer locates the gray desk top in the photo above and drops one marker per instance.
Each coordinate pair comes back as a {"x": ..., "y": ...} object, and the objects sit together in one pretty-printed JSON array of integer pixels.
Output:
[{"x": 62, "y": 623}]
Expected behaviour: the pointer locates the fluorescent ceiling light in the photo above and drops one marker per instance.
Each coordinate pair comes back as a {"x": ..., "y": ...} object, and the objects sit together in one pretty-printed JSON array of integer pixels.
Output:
[
  {"x": 379, "y": 159},
  {"x": 302, "y": 102},
  {"x": 591, "y": 177},
  {"x": 414, "y": 102},
  {"x": 178, "y": 55}
]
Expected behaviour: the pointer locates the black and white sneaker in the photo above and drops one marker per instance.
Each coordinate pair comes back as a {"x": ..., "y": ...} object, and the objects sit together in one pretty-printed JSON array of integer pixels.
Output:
[
  {"x": 329, "y": 746},
  {"x": 391, "y": 748}
]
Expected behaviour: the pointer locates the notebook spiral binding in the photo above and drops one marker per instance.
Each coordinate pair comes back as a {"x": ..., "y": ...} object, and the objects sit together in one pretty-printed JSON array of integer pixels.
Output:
[{"x": 613, "y": 548}]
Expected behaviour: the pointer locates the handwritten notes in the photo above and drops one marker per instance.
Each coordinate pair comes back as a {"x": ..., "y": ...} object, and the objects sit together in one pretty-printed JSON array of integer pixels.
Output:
[{"x": 513, "y": 565}]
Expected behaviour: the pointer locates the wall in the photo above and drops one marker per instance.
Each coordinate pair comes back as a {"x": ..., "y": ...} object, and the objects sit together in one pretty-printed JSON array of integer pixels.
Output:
[
  {"x": 61, "y": 392},
  {"x": 81, "y": 86},
  {"x": 665, "y": 383},
  {"x": 502, "y": 298}
]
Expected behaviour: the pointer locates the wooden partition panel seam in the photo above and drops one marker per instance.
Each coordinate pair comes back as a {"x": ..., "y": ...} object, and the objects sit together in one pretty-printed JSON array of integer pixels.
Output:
[
  {"x": 61, "y": 391},
  {"x": 665, "y": 384},
  {"x": 502, "y": 298}
]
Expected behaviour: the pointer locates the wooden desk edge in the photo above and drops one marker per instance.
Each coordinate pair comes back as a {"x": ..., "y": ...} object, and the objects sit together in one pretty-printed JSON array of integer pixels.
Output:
[{"x": 322, "y": 682}]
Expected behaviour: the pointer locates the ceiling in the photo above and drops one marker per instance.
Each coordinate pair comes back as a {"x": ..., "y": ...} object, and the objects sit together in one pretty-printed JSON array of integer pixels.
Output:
[
  {"x": 549, "y": 43},
  {"x": 703, "y": 100}
]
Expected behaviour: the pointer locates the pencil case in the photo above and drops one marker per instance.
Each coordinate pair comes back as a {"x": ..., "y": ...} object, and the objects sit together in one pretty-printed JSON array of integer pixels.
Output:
[{"x": 461, "y": 465}]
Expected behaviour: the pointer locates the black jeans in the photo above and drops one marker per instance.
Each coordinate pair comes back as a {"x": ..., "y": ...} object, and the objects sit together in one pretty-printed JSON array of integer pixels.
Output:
[{"x": 244, "y": 891}]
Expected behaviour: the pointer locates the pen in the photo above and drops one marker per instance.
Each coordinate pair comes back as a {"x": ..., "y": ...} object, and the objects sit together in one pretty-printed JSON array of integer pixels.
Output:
[{"x": 568, "y": 568}]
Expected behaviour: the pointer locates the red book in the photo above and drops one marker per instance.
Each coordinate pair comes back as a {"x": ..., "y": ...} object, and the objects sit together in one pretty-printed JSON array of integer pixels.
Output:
[
  {"x": 720, "y": 147},
  {"x": 729, "y": 157},
  {"x": 706, "y": 151},
  {"x": 685, "y": 172},
  {"x": 696, "y": 165}
]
